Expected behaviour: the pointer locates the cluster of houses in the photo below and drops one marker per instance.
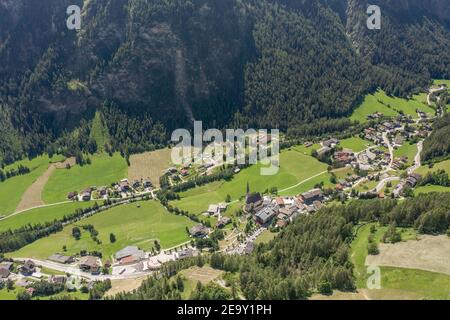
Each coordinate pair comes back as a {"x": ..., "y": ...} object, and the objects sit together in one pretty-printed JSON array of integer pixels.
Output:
[
  {"x": 327, "y": 146},
  {"x": 121, "y": 189},
  {"x": 282, "y": 210},
  {"x": 410, "y": 182}
]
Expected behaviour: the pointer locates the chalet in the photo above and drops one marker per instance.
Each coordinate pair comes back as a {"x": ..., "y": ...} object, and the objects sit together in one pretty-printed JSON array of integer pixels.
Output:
[
  {"x": 331, "y": 143},
  {"x": 124, "y": 186},
  {"x": 309, "y": 197},
  {"x": 184, "y": 172},
  {"x": 130, "y": 254},
  {"x": 86, "y": 195},
  {"x": 281, "y": 223},
  {"x": 89, "y": 264},
  {"x": 55, "y": 279},
  {"x": 322, "y": 151},
  {"x": 253, "y": 202},
  {"x": 199, "y": 231},
  {"x": 289, "y": 211},
  {"x": 186, "y": 253},
  {"x": 376, "y": 115},
  {"x": 59, "y": 258},
  {"x": 266, "y": 214},
  {"x": 282, "y": 216},
  {"x": 280, "y": 202},
  {"x": 413, "y": 179},
  {"x": 136, "y": 184},
  {"x": 72, "y": 195},
  {"x": 213, "y": 209},
  {"x": 223, "y": 222},
  {"x": 370, "y": 155},
  {"x": 6, "y": 265},
  {"x": 147, "y": 183},
  {"x": 102, "y": 191},
  {"x": 343, "y": 157},
  {"x": 28, "y": 268},
  {"x": 4, "y": 273},
  {"x": 308, "y": 144}
]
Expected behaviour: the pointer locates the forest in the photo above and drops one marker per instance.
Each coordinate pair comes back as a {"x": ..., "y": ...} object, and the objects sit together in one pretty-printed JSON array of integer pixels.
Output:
[
  {"x": 301, "y": 66},
  {"x": 437, "y": 146},
  {"x": 310, "y": 255}
]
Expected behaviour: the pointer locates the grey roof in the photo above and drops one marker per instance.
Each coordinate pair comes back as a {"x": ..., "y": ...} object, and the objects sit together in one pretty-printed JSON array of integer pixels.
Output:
[
  {"x": 266, "y": 213},
  {"x": 128, "y": 251}
]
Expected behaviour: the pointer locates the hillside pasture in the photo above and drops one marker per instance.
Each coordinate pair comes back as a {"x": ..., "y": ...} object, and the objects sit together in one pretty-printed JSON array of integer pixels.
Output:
[
  {"x": 103, "y": 171},
  {"x": 12, "y": 190},
  {"x": 41, "y": 215},
  {"x": 149, "y": 165},
  {"x": 389, "y": 106},
  {"x": 138, "y": 224},
  {"x": 295, "y": 167}
]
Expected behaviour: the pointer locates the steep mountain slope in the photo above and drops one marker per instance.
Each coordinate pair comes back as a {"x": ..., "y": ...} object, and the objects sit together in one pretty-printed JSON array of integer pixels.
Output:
[{"x": 262, "y": 63}]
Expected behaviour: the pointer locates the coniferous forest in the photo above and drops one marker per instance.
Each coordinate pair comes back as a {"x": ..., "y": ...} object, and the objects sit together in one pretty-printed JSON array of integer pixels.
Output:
[{"x": 154, "y": 66}]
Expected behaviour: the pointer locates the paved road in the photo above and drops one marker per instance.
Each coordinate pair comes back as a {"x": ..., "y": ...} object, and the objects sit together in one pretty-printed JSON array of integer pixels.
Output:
[
  {"x": 391, "y": 149},
  {"x": 432, "y": 92},
  {"x": 417, "y": 159},
  {"x": 383, "y": 182}
]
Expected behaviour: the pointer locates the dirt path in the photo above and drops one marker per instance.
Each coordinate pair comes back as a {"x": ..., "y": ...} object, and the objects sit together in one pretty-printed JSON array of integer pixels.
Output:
[{"x": 33, "y": 195}]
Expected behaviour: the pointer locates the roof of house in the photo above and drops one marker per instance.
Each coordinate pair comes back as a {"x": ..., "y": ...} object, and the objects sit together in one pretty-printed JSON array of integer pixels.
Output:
[
  {"x": 4, "y": 273},
  {"x": 266, "y": 213},
  {"x": 213, "y": 208},
  {"x": 198, "y": 229},
  {"x": 60, "y": 258},
  {"x": 89, "y": 261},
  {"x": 6, "y": 265},
  {"x": 126, "y": 252},
  {"x": 312, "y": 194}
]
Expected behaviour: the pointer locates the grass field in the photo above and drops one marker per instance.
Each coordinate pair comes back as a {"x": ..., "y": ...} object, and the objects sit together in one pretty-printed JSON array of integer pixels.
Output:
[
  {"x": 41, "y": 215},
  {"x": 389, "y": 106},
  {"x": 99, "y": 132},
  {"x": 131, "y": 226},
  {"x": 149, "y": 165},
  {"x": 265, "y": 237},
  {"x": 444, "y": 165},
  {"x": 407, "y": 150},
  {"x": 397, "y": 283},
  {"x": 294, "y": 168},
  {"x": 103, "y": 171},
  {"x": 355, "y": 143},
  {"x": 11, "y": 190},
  {"x": 429, "y": 189}
]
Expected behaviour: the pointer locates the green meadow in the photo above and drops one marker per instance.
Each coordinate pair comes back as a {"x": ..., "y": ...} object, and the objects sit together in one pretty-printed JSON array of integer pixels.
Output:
[
  {"x": 42, "y": 215},
  {"x": 407, "y": 150},
  {"x": 295, "y": 167},
  {"x": 103, "y": 171},
  {"x": 444, "y": 165},
  {"x": 390, "y": 106},
  {"x": 430, "y": 188},
  {"x": 138, "y": 224},
  {"x": 355, "y": 143},
  {"x": 11, "y": 190},
  {"x": 99, "y": 132},
  {"x": 397, "y": 282}
]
